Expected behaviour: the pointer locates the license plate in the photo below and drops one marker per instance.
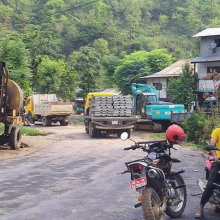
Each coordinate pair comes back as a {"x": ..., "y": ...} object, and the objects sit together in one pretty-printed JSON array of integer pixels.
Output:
[
  {"x": 158, "y": 113},
  {"x": 115, "y": 122},
  {"x": 138, "y": 183}
]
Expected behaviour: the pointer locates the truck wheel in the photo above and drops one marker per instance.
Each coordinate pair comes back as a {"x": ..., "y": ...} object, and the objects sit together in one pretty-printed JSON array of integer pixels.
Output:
[
  {"x": 15, "y": 138},
  {"x": 129, "y": 132},
  {"x": 63, "y": 122},
  {"x": 98, "y": 133},
  {"x": 119, "y": 133},
  {"x": 92, "y": 130},
  {"x": 44, "y": 121},
  {"x": 49, "y": 121}
]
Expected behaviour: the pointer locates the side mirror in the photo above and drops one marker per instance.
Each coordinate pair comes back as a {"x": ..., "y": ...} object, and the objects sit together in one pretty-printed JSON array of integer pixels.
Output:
[
  {"x": 124, "y": 136},
  {"x": 211, "y": 147}
]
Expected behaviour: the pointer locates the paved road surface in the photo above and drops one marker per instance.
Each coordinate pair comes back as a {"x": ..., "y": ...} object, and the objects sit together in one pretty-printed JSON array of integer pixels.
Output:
[{"x": 75, "y": 179}]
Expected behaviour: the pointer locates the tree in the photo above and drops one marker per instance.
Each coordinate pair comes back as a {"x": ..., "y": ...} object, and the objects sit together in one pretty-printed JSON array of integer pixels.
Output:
[
  {"x": 180, "y": 90},
  {"x": 139, "y": 64},
  {"x": 68, "y": 84},
  {"x": 88, "y": 69},
  {"x": 13, "y": 51},
  {"x": 49, "y": 75}
]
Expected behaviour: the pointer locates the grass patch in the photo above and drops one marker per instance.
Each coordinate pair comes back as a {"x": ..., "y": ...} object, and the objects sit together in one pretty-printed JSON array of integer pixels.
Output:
[
  {"x": 199, "y": 146},
  {"x": 79, "y": 121},
  {"x": 158, "y": 136},
  {"x": 28, "y": 131}
]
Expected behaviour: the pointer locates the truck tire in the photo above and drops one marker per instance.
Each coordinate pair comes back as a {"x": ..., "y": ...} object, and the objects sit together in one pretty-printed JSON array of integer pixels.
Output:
[
  {"x": 15, "y": 138},
  {"x": 119, "y": 133},
  {"x": 98, "y": 133},
  {"x": 44, "y": 121},
  {"x": 92, "y": 130},
  {"x": 49, "y": 121},
  {"x": 129, "y": 132},
  {"x": 63, "y": 122}
]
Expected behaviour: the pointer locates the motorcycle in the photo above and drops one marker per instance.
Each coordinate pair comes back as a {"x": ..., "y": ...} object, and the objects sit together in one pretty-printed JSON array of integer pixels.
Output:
[
  {"x": 161, "y": 190},
  {"x": 214, "y": 201}
]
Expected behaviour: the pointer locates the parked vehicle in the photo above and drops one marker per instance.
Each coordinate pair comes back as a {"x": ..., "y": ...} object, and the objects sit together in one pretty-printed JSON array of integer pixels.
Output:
[
  {"x": 161, "y": 190},
  {"x": 214, "y": 201},
  {"x": 109, "y": 113},
  {"x": 46, "y": 108},
  {"x": 11, "y": 105},
  {"x": 79, "y": 105},
  {"x": 154, "y": 114}
]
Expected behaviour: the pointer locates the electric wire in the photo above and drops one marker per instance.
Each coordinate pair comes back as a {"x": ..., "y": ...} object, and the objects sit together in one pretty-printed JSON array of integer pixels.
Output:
[{"x": 56, "y": 13}]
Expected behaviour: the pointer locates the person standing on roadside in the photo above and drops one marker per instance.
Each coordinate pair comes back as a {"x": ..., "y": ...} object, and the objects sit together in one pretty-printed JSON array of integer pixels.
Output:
[{"x": 213, "y": 174}]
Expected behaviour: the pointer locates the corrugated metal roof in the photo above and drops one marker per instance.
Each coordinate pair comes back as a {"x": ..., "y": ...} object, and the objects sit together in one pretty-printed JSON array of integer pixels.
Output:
[
  {"x": 208, "y": 32},
  {"x": 173, "y": 70},
  {"x": 205, "y": 59}
]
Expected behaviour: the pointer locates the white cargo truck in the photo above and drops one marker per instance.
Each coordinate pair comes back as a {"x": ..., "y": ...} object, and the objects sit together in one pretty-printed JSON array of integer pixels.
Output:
[{"x": 47, "y": 109}]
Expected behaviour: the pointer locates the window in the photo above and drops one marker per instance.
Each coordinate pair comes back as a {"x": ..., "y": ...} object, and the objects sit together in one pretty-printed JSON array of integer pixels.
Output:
[
  {"x": 213, "y": 69},
  {"x": 158, "y": 86},
  {"x": 217, "y": 41}
]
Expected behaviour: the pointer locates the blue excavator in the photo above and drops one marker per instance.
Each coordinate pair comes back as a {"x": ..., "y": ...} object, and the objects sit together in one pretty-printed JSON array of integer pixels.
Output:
[{"x": 153, "y": 114}]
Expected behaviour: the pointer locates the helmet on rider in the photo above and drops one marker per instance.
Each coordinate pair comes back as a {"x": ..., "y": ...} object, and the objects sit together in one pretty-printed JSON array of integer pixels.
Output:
[{"x": 175, "y": 134}]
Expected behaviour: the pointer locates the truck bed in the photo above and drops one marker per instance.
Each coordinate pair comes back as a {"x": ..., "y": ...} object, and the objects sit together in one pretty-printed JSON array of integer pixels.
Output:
[{"x": 49, "y": 109}]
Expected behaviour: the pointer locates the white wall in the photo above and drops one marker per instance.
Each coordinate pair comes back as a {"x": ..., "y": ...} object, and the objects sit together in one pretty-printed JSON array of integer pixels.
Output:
[{"x": 163, "y": 81}]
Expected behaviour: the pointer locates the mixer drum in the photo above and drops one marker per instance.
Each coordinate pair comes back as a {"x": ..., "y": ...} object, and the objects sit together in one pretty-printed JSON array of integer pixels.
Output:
[{"x": 14, "y": 97}]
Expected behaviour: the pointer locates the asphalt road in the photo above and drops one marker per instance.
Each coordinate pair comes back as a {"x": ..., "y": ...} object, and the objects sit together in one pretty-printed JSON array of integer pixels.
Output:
[{"x": 76, "y": 179}]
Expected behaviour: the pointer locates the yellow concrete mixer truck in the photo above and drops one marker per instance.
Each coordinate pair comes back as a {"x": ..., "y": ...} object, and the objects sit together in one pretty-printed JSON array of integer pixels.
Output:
[{"x": 11, "y": 104}]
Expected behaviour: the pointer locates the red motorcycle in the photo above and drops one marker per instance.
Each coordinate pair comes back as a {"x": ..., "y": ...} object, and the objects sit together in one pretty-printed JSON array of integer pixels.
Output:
[{"x": 215, "y": 198}]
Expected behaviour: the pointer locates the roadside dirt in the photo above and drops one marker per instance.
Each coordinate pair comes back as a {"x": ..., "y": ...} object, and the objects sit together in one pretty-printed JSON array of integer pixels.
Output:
[
  {"x": 31, "y": 144},
  {"x": 57, "y": 133}
]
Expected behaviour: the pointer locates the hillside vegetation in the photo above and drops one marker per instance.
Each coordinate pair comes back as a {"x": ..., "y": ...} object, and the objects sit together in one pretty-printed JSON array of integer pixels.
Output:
[{"x": 57, "y": 46}]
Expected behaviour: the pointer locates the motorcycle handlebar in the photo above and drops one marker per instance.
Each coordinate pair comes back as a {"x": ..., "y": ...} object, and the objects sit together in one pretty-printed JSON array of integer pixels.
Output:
[{"x": 133, "y": 147}]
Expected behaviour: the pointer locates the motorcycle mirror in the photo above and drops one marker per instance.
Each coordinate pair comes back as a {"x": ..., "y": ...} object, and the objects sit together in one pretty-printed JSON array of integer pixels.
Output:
[
  {"x": 211, "y": 147},
  {"x": 124, "y": 136}
]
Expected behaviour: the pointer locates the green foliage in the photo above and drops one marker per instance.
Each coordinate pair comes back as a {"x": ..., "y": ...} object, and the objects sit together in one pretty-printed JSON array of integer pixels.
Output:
[
  {"x": 139, "y": 64},
  {"x": 16, "y": 56},
  {"x": 194, "y": 127},
  {"x": 199, "y": 126},
  {"x": 49, "y": 75},
  {"x": 29, "y": 131},
  {"x": 32, "y": 131},
  {"x": 56, "y": 29},
  {"x": 180, "y": 89},
  {"x": 158, "y": 136},
  {"x": 88, "y": 68}
]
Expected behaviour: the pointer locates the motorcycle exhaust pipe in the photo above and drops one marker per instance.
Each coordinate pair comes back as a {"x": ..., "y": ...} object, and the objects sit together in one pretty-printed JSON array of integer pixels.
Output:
[{"x": 153, "y": 173}]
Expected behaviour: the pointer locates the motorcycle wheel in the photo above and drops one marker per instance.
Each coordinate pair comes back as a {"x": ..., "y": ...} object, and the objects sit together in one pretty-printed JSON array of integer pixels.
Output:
[
  {"x": 176, "y": 211},
  {"x": 215, "y": 208},
  {"x": 151, "y": 205}
]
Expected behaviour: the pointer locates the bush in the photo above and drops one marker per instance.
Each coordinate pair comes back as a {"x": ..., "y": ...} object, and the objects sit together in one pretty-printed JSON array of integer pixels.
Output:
[
  {"x": 194, "y": 127},
  {"x": 199, "y": 126}
]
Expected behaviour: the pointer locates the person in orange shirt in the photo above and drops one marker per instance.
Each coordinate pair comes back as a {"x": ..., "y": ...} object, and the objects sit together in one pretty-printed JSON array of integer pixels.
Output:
[{"x": 213, "y": 174}]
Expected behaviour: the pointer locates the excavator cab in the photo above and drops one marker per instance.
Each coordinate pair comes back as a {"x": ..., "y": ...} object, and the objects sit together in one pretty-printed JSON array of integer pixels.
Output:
[{"x": 142, "y": 100}]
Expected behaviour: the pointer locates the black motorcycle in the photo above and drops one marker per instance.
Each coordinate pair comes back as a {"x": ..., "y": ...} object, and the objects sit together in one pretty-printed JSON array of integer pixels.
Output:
[{"x": 161, "y": 190}]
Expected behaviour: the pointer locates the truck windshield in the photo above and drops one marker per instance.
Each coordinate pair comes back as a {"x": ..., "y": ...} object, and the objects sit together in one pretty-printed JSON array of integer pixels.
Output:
[{"x": 149, "y": 99}]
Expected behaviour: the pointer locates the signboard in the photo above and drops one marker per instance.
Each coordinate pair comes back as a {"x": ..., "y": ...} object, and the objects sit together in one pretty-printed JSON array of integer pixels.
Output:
[{"x": 207, "y": 85}]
